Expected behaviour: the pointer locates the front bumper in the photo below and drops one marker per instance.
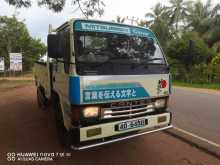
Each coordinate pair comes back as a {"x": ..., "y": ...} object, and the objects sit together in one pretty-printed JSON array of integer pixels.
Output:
[{"x": 109, "y": 134}]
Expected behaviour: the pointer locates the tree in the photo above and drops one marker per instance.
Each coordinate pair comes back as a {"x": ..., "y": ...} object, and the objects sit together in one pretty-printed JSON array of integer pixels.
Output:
[
  {"x": 200, "y": 16},
  {"x": 157, "y": 13},
  {"x": 192, "y": 53},
  {"x": 198, "y": 13},
  {"x": 87, "y": 7},
  {"x": 14, "y": 37},
  {"x": 120, "y": 19},
  {"x": 205, "y": 19},
  {"x": 189, "y": 32},
  {"x": 181, "y": 48},
  {"x": 178, "y": 11},
  {"x": 215, "y": 68},
  {"x": 159, "y": 22}
]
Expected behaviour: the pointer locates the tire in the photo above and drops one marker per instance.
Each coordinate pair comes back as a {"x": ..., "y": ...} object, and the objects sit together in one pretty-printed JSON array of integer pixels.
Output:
[
  {"x": 41, "y": 99},
  {"x": 62, "y": 133}
]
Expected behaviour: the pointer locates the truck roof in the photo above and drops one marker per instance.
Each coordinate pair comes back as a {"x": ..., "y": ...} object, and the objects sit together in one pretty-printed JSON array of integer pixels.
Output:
[{"x": 75, "y": 19}]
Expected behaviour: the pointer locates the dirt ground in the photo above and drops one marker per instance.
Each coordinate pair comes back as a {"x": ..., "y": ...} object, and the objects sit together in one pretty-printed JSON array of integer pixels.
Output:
[
  {"x": 22, "y": 77},
  {"x": 25, "y": 128}
]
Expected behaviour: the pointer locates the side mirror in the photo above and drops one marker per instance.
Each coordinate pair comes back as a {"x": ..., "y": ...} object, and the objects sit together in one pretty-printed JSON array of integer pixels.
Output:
[{"x": 53, "y": 47}]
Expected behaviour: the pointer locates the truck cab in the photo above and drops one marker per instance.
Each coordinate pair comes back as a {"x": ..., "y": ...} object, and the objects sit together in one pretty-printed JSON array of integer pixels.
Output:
[{"x": 107, "y": 82}]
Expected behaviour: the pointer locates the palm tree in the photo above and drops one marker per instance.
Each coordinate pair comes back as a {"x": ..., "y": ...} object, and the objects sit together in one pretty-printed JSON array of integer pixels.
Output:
[
  {"x": 199, "y": 16},
  {"x": 119, "y": 19},
  {"x": 158, "y": 13},
  {"x": 205, "y": 19},
  {"x": 178, "y": 11},
  {"x": 159, "y": 22}
]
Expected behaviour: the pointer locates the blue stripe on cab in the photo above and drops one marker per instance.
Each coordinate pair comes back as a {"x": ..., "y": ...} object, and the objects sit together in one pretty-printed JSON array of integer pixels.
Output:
[
  {"x": 74, "y": 90},
  {"x": 110, "y": 94},
  {"x": 96, "y": 26}
]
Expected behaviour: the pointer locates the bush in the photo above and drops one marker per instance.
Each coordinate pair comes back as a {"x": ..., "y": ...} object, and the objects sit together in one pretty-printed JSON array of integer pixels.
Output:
[
  {"x": 215, "y": 67},
  {"x": 192, "y": 55}
]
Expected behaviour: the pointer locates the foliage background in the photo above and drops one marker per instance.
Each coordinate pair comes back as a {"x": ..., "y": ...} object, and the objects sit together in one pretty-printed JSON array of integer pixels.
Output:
[
  {"x": 14, "y": 37},
  {"x": 189, "y": 33}
]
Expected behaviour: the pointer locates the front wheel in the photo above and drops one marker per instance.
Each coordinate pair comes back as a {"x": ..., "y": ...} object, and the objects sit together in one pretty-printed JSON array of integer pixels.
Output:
[{"x": 41, "y": 98}]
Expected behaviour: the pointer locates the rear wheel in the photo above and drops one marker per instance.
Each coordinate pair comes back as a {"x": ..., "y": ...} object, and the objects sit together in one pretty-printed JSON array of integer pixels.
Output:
[
  {"x": 62, "y": 133},
  {"x": 41, "y": 98}
]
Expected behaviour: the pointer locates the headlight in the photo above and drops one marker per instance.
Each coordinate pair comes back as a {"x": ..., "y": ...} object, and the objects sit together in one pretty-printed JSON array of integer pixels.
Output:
[
  {"x": 90, "y": 112},
  {"x": 160, "y": 103}
]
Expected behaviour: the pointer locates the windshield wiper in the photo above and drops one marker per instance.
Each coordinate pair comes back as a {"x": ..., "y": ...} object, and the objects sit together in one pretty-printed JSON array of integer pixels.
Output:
[
  {"x": 155, "y": 59},
  {"x": 123, "y": 61},
  {"x": 147, "y": 63}
]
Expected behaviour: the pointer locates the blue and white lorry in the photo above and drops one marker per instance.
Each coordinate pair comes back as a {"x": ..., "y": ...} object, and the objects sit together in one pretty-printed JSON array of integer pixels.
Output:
[{"x": 107, "y": 82}]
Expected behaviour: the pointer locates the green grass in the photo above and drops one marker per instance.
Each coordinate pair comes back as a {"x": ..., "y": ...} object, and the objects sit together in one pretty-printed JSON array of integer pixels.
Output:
[{"x": 197, "y": 85}]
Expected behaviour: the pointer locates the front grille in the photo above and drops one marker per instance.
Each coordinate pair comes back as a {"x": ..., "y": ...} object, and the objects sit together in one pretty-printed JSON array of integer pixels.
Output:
[{"x": 126, "y": 111}]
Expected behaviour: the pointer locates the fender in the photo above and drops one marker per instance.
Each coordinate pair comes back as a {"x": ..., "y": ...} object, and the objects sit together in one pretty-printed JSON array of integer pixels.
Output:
[{"x": 64, "y": 108}]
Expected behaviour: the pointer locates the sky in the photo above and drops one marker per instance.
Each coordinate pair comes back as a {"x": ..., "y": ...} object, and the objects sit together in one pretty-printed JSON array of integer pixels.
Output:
[{"x": 38, "y": 19}]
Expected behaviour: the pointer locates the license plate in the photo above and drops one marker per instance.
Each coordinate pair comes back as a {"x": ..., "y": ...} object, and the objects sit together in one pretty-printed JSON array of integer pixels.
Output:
[{"x": 131, "y": 124}]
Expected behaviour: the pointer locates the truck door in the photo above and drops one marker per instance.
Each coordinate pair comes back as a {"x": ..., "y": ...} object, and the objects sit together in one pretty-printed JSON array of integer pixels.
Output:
[{"x": 61, "y": 73}]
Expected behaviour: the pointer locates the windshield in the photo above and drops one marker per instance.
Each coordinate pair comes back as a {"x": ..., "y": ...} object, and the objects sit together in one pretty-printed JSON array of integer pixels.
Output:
[
  {"x": 96, "y": 47},
  {"x": 103, "y": 51}
]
